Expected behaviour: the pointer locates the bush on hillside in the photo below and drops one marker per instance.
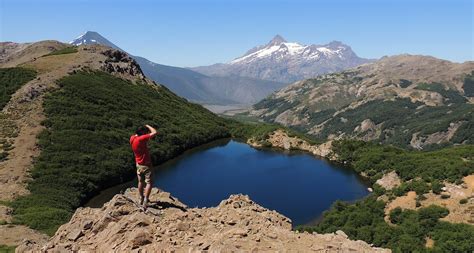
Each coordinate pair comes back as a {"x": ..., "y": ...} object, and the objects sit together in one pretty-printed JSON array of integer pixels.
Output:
[{"x": 11, "y": 79}]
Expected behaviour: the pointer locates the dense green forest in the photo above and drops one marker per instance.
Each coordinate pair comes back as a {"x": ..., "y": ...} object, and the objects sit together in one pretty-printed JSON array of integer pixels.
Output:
[
  {"x": 12, "y": 79},
  {"x": 364, "y": 220},
  {"x": 420, "y": 171},
  {"x": 85, "y": 147}
]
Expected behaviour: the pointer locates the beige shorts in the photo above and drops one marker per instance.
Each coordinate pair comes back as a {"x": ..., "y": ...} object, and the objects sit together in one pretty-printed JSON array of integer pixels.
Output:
[{"x": 144, "y": 173}]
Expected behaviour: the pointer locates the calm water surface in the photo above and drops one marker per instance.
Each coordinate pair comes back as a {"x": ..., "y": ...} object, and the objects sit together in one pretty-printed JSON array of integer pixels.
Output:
[{"x": 298, "y": 185}]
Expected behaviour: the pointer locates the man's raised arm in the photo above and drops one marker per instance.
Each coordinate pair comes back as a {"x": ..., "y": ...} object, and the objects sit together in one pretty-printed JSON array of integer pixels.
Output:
[{"x": 153, "y": 131}]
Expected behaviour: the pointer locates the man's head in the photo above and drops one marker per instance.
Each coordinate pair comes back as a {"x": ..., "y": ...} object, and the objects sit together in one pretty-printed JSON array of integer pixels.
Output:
[{"x": 141, "y": 130}]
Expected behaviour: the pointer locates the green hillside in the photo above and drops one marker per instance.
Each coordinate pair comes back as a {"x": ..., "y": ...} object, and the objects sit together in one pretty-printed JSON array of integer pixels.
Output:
[
  {"x": 85, "y": 147},
  {"x": 413, "y": 102}
]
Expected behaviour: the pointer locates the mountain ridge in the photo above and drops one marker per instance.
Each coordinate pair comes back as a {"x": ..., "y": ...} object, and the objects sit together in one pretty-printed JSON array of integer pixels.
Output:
[
  {"x": 279, "y": 60},
  {"x": 195, "y": 86},
  {"x": 408, "y": 100}
]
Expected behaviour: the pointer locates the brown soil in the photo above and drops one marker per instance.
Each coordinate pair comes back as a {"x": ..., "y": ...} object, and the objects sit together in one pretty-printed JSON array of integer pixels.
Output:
[
  {"x": 429, "y": 243},
  {"x": 458, "y": 213},
  {"x": 469, "y": 181},
  {"x": 13, "y": 235},
  {"x": 405, "y": 202}
]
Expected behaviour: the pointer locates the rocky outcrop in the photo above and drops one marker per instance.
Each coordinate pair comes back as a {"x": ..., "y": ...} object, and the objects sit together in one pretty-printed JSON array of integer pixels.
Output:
[
  {"x": 280, "y": 139},
  {"x": 237, "y": 224},
  {"x": 419, "y": 142},
  {"x": 120, "y": 62},
  {"x": 368, "y": 131},
  {"x": 389, "y": 180}
]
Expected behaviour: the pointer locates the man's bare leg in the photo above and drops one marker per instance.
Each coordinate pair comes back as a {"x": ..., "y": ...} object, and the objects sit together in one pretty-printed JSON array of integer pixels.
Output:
[
  {"x": 147, "y": 193},
  {"x": 140, "y": 188}
]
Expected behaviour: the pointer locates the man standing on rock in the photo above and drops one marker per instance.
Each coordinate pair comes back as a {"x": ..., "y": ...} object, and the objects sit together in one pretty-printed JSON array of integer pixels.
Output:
[{"x": 139, "y": 142}]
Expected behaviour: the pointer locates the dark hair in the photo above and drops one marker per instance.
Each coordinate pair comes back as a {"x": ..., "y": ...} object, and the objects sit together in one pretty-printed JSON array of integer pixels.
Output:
[{"x": 141, "y": 130}]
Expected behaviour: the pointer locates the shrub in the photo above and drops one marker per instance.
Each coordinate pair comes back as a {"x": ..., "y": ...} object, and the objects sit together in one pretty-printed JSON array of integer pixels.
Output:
[
  {"x": 11, "y": 80},
  {"x": 436, "y": 187},
  {"x": 463, "y": 201},
  {"x": 67, "y": 50},
  {"x": 7, "y": 249}
]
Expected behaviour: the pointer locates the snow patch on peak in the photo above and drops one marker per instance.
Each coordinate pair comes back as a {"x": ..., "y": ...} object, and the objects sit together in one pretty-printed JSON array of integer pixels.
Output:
[{"x": 291, "y": 50}]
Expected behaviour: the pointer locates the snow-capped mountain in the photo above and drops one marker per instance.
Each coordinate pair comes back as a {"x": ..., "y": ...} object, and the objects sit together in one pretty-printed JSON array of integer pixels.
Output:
[
  {"x": 284, "y": 61},
  {"x": 89, "y": 38}
]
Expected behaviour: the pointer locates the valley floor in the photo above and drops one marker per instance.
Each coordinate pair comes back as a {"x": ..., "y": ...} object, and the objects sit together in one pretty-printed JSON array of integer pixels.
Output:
[{"x": 225, "y": 109}]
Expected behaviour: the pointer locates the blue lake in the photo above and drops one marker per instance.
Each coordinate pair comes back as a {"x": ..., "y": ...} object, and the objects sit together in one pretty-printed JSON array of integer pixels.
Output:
[{"x": 296, "y": 184}]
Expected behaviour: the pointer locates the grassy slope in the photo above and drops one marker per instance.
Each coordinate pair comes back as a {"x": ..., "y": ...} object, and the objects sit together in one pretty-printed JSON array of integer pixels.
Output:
[
  {"x": 86, "y": 145},
  {"x": 67, "y": 50},
  {"x": 11, "y": 79}
]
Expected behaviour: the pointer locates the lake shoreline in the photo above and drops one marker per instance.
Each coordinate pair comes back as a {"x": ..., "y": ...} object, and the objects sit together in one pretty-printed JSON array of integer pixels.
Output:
[{"x": 194, "y": 171}]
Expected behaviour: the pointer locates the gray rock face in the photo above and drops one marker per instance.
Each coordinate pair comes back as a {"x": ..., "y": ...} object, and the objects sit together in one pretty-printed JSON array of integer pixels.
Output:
[{"x": 287, "y": 62}]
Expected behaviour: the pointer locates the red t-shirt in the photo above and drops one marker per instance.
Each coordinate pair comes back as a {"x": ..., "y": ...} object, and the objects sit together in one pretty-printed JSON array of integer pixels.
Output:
[{"x": 140, "y": 149}]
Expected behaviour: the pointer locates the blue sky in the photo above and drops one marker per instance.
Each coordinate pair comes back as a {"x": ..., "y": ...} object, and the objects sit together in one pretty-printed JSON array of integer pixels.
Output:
[{"x": 192, "y": 33}]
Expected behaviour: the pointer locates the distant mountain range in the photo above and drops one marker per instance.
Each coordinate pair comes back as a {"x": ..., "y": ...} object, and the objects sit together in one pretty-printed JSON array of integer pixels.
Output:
[
  {"x": 194, "y": 86},
  {"x": 247, "y": 79},
  {"x": 288, "y": 62}
]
